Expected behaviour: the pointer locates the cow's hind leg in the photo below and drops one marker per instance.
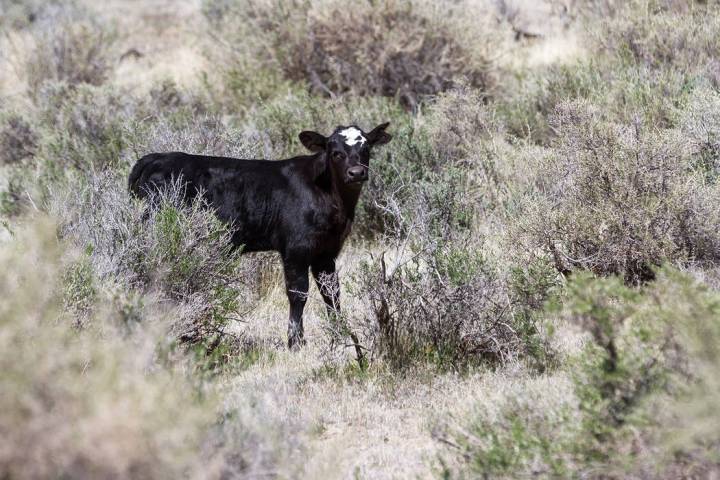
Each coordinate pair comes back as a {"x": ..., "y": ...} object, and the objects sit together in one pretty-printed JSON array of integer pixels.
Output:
[
  {"x": 328, "y": 283},
  {"x": 296, "y": 285}
]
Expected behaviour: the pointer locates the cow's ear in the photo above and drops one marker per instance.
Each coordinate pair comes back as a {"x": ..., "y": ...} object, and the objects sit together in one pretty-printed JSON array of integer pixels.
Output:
[
  {"x": 378, "y": 135},
  {"x": 313, "y": 141}
]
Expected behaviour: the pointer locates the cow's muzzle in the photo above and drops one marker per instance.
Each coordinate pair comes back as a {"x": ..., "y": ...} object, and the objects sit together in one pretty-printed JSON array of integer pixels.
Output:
[{"x": 357, "y": 174}]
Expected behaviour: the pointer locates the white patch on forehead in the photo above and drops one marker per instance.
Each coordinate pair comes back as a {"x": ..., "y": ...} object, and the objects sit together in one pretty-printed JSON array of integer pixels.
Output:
[{"x": 352, "y": 136}]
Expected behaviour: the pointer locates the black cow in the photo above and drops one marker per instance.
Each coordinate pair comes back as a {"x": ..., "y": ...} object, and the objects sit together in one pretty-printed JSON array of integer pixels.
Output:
[{"x": 302, "y": 207}]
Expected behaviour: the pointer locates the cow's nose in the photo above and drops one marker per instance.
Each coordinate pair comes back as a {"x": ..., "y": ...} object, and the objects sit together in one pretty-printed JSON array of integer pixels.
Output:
[{"x": 356, "y": 173}]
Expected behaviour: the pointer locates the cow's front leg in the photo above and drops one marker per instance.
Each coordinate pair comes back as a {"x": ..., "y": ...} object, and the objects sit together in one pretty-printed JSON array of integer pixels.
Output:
[{"x": 296, "y": 285}]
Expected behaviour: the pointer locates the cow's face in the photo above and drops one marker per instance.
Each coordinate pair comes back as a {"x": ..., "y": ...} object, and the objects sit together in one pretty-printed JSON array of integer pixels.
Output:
[{"x": 347, "y": 150}]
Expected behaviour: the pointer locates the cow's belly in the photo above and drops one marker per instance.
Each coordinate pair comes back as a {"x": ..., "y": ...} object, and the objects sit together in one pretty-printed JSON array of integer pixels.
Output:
[
  {"x": 252, "y": 243},
  {"x": 251, "y": 216}
]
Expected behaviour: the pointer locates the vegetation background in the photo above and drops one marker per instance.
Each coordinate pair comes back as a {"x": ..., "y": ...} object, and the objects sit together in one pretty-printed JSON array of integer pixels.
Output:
[{"x": 534, "y": 272}]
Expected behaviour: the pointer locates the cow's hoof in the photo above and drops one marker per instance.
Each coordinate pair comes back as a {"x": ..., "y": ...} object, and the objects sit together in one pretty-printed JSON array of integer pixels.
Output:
[{"x": 295, "y": 343}]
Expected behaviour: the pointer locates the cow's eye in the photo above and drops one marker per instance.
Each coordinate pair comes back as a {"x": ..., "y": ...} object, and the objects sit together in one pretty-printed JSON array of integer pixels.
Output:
[{"x": 338, "y": 156}]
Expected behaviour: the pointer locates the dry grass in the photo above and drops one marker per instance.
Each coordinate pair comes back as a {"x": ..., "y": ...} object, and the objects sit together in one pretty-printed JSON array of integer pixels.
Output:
[{"x": 372, "y": 425}]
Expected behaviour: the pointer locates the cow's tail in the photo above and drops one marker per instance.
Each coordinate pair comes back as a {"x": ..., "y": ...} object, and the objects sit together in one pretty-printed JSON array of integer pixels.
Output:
[{"x": 134, "y": 184}]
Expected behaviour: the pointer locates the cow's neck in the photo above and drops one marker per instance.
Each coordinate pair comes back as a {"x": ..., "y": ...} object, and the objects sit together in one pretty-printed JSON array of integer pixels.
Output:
[{"x": 348, "y": 195}]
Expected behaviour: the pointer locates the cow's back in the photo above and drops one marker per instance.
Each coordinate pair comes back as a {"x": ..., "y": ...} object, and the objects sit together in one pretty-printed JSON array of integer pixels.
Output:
[{"x": 247, "y": 194}]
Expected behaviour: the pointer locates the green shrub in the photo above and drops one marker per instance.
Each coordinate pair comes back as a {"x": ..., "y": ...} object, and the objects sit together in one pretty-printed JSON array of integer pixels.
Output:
[
  {"x": 662, "y": 36},
  {"x": 629, "y": 357},
  {"x": 535, "y": 287},
  {"x": 526, "y": 428},
  {"x": 526, "y": 105},
  {"x": 638, "y": 364},
  {"x": 460, "y": 138},
  {"x": 694, "y": 421},
  {"x": 180, "y": 252},
  {"x": 81, "y": 128},
  {"x": 642, "y": 379},
  {"x": 190, "y": 259},
  {"x": 623, "y": 93}
]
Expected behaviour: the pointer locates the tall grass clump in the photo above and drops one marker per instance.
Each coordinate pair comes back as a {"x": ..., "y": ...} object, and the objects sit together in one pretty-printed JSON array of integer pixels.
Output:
[{"x": 406, "y": 49}]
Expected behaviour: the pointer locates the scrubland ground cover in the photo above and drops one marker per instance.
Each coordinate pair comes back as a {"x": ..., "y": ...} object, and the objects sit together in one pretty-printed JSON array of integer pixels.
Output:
[{"x": 534, "y": 271}]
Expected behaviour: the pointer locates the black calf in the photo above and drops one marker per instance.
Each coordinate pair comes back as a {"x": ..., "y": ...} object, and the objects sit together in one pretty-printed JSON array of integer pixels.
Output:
[{"x": 302, "y": 207}]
